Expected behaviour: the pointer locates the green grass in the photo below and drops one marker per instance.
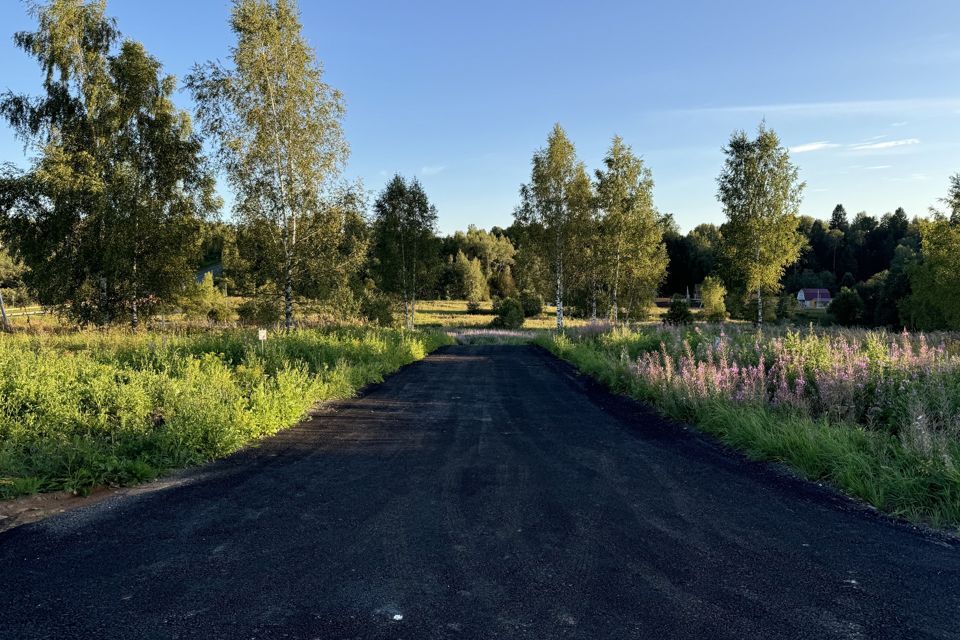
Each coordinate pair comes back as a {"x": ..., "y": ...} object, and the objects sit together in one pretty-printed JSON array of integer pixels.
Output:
[
  {"x": 453, "y": 314},
  {"x": 873, "y": 464},
  {"x": 88, "y": 408}
]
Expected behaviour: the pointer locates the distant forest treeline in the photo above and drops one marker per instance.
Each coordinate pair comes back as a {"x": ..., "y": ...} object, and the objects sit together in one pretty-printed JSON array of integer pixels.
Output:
[{"x": 117, "y": 212}]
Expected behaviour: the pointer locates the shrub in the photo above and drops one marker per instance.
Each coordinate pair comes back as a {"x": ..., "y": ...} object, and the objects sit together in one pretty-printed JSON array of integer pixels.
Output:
[
  {"x": 473, "y": 306},
  {"x": 259, "y": 312},
  {"x": 378, "y": 309},
  {"x": 787, "y": 307},
  {"x": 509, "y": 314},
  {"x": 532, "y": 304},
  {"x": 713, "y": 292},
  {"x": 847, "y": 307},
  {"x": 204, "y": 301},
  {"x": 679, "y": 311}
]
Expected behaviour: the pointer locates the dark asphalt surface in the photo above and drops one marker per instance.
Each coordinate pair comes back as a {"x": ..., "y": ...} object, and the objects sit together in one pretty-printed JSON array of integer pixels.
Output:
[{"x": 485, "y": 492}]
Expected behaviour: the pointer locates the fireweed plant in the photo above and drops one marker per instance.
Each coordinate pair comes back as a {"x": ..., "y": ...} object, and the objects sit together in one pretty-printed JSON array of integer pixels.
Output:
[{"x": 874, "y": 413}]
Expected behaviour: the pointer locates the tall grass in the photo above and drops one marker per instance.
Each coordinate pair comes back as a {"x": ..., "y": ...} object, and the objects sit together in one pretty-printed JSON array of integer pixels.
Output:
[
  {"x": 875, "y": 414},
  {"x": 85, "y": 409}
]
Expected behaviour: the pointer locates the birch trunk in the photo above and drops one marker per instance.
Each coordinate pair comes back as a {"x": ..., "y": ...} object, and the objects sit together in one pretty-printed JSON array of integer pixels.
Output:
[{"x": 3, "y": 314}]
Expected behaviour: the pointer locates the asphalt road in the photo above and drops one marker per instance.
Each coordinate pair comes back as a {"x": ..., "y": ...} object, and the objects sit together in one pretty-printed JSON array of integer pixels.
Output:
[{"x": 485, "y": 492}]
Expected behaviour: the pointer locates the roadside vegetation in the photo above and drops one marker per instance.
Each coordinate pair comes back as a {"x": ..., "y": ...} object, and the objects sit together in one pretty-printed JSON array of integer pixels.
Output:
[
  {"x": 875, "y": 414},
  {"x": 114, "y": 218},
  {"x": 87, "y": 409}
]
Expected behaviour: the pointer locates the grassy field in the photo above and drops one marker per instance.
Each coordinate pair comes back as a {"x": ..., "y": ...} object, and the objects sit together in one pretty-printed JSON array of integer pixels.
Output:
[
  {"x": 82, "y": 409},
  {"x": 453, "y": 314},
  {"x": 875, "y": 414}
]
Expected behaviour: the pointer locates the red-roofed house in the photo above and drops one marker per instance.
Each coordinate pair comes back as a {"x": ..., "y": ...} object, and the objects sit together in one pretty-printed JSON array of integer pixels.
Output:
[{"x": 814, "y": 298}]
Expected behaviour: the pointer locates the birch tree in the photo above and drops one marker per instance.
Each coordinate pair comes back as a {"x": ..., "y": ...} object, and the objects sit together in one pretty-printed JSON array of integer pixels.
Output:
[
  {"x": 106, "y": 220},
  {"x": 404, "y": 247},
  {"x": 633, "y": 238},
  {"x": 548, "y": 208},
  {"x": 278, "y": 134},
  {"x": 760, "y": 191}
]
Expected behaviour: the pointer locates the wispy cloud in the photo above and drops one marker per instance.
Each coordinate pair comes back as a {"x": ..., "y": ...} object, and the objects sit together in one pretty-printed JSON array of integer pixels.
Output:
[
  {"x": 432, "y": 170},
  {"x": 813, "y": 146},
  {"x": 878, "y": 167},
  {"x": 889, "y": 144},
  {"x": 850, "y": 107},
  {"x": 911, "y": 178},
  {"x": 901, "y": 123}
]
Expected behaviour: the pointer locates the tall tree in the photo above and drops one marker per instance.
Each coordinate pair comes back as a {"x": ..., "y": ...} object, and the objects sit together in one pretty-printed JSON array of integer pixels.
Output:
[
  {"x": 546, "y": 208},
  {"x": 760, "y": 192},
  {"x": 838, "y": 219},
  {"x": 936, "y": 288},
  {"x": 278, "y": 134},
  {"x": 106, "y": 219},
  {"x": 404, "y": 247},
  {"x": 632, "y": 235}
]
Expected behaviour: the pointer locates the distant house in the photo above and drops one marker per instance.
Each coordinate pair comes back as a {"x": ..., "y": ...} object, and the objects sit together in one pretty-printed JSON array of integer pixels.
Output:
[{"x": 814, "y": 298}]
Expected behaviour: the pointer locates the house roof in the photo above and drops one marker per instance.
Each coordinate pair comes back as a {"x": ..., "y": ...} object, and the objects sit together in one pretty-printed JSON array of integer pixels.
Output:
[{"x": 815, "y": 294}]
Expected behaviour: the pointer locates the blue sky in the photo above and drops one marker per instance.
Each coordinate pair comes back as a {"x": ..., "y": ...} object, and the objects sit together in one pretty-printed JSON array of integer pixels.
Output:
[{"x": 461, "y": 94}]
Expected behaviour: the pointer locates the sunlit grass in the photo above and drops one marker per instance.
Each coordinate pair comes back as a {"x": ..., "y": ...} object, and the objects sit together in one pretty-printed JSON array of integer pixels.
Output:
[{"x": 453, "y": 314}]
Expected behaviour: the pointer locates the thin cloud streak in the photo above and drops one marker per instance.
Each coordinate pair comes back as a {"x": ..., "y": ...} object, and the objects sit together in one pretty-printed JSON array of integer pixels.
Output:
[
  {"x": 813, "y": 146},
  {"x": 852, "y": 107},
  {"x": 889, "y": 144},
  {"x": 432, "y": 170}
]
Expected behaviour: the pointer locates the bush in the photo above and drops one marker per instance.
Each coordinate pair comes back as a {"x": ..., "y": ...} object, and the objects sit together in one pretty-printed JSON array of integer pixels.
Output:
[
  {"x": 259, "y": 312},
  {"x": 713, "y": 292},
  {"x": 473, "y": 306},
  {"x": 679, "y": 311},
  {"x": 509, "y": 314},
  {"x": 378, "y": 309},
  {"x": 532, "y": 304},
  {"x": 847, "y": 307},
  {"x": 787, "y": 307},
  {"x": 203, "y": 301}
]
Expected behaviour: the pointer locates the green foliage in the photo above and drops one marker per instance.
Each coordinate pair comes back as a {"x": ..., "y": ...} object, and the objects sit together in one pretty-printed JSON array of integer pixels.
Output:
[
  {"x": 713, "y": 295},
  {"x": 553, "y": 210},
  {"x": 760, "y": 192},
  {"x": 679, "y": 312},
  {"x": 509, "y": 314},
  {"x": 278, "y": 134},
  {"x": 633, "y": 254},
  {"x": 935, "y": 302},
  {"x": 106, "y": 219},
  {"x": 90, "y": 409},
  {"x": 378, "y": 309},
  {"x": 472, "y": 284},
  {"x": 787, "y": 306},
  {"x": 260, "y": 311},
  {"x": 532, "y": 304},
  {"x": 847, "y": 307},
  {"x": 404, "y": 247},
  {"x": 204, "y": 301}
]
